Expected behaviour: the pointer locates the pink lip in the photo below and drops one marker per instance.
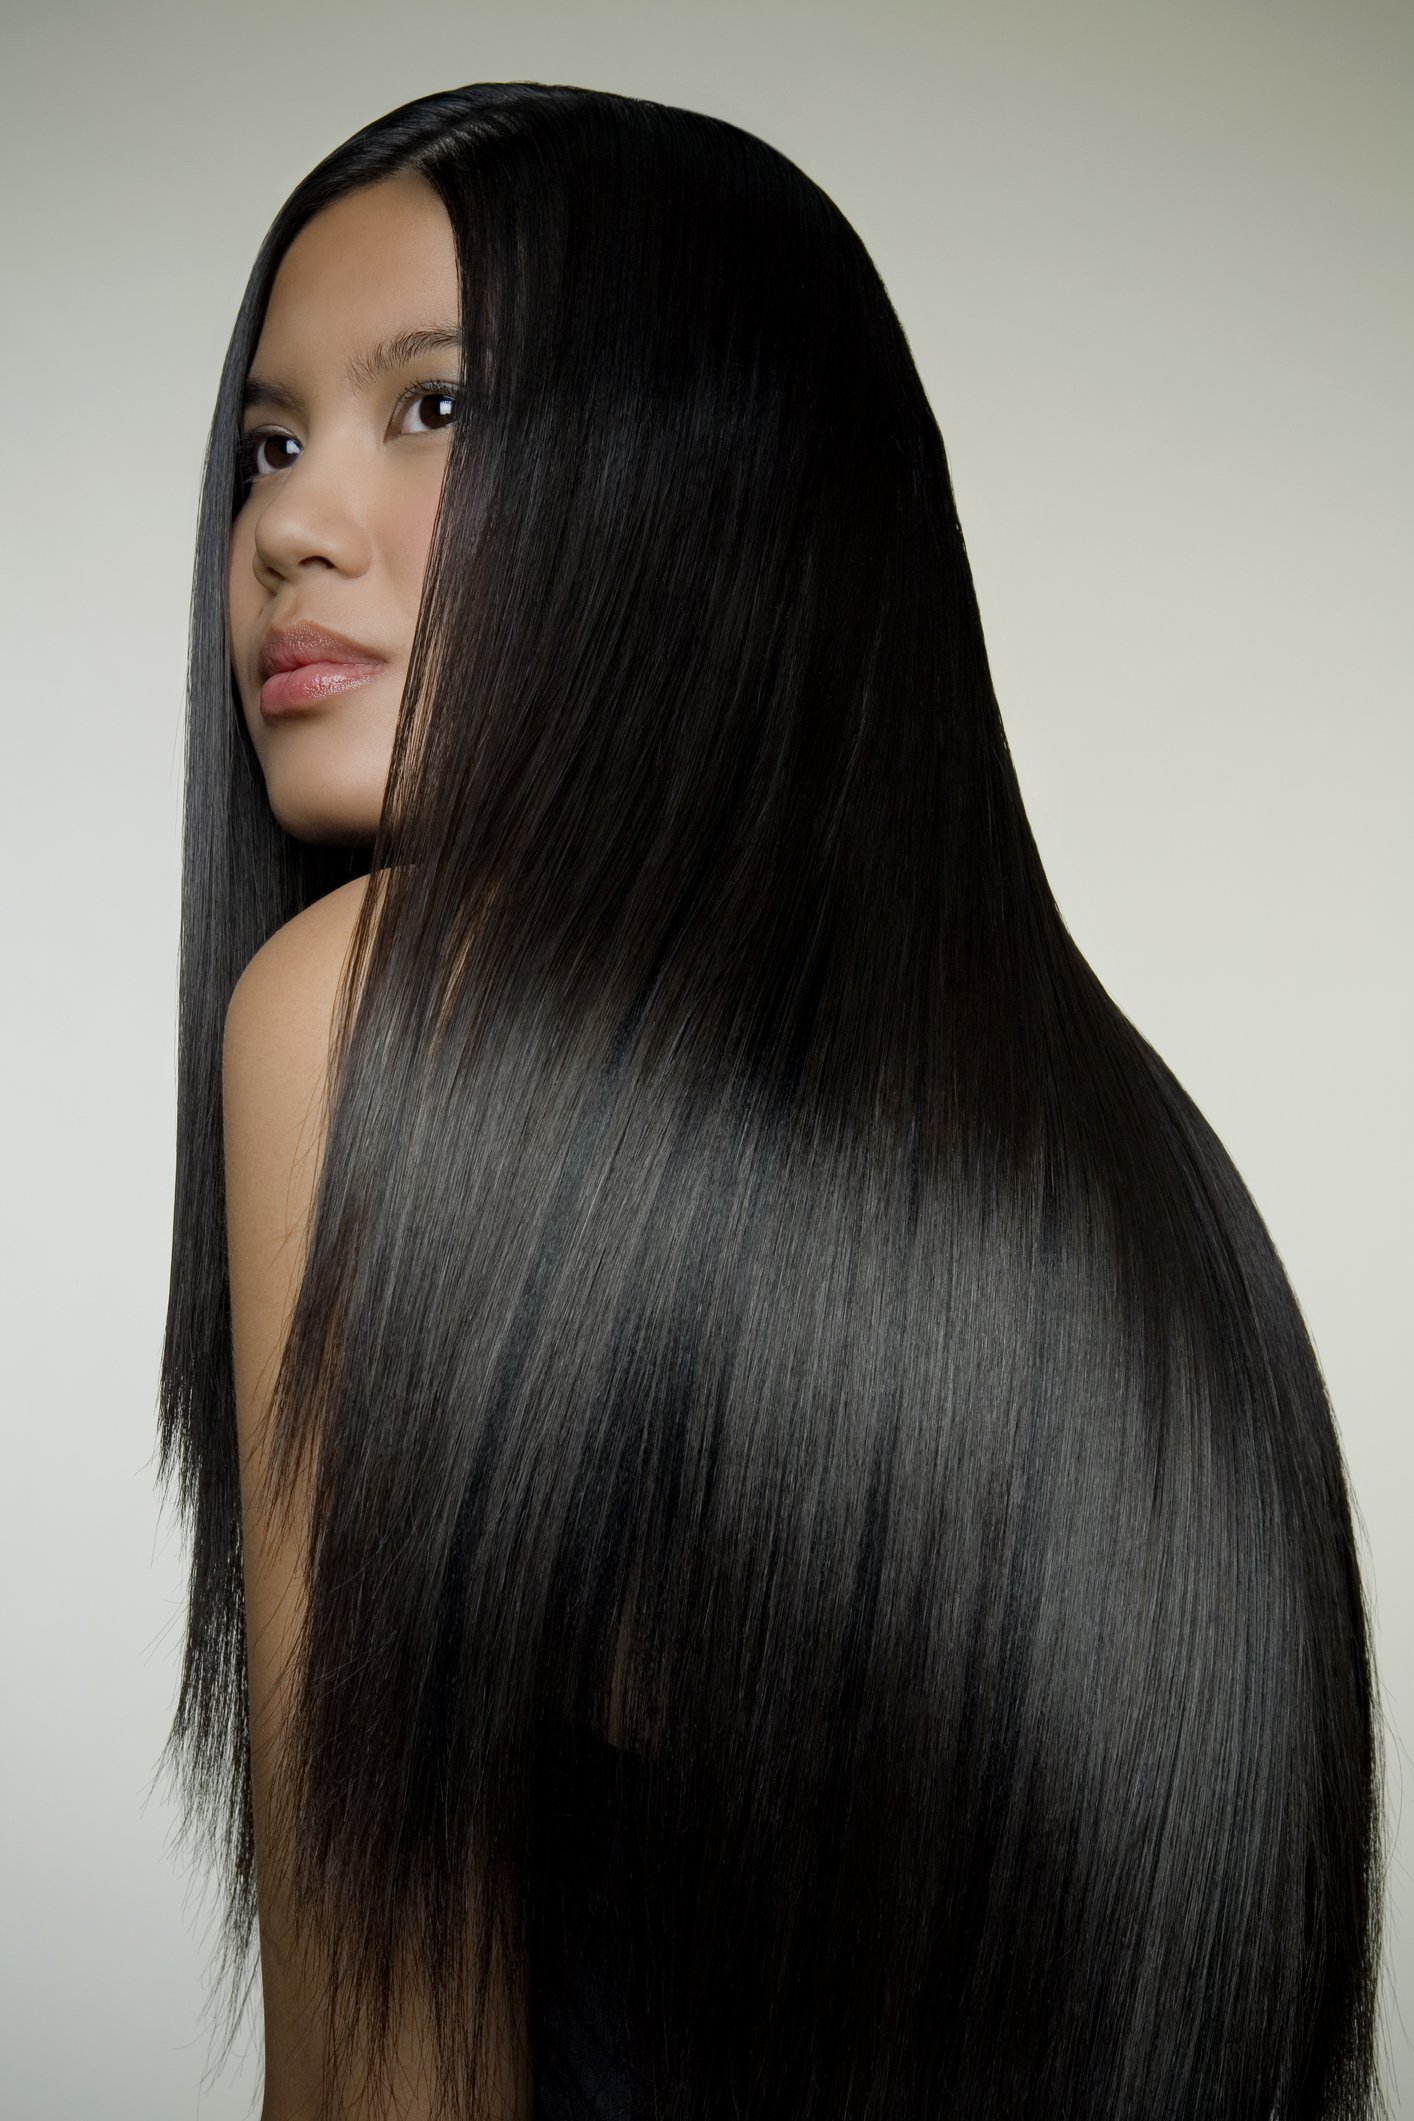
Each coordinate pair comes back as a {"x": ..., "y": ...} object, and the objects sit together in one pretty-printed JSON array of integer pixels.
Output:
[{"x": 286, "y": 691}]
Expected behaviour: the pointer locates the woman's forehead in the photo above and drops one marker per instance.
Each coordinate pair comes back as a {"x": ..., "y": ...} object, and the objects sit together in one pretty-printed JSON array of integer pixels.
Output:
[{"x": 374, "y": 266}]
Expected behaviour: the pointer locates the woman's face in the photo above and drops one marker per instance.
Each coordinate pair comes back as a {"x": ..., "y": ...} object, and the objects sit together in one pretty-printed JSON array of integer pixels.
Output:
[{"x": 346, "y": 438}]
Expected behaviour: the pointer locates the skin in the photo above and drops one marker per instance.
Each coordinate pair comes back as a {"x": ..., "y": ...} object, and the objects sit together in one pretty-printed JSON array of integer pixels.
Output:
[{"x": 337, "y": 530}]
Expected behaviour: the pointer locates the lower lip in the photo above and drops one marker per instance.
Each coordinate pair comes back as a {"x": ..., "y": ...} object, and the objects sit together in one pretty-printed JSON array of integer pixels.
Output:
[{"x": 285, "y": 691}]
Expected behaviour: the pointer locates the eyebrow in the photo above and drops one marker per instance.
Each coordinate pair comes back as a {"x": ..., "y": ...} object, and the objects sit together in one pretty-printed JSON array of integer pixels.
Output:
[{"x": 363, "y": 370}]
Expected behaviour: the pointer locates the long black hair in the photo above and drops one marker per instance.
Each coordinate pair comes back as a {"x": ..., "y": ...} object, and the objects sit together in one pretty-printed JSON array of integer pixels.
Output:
[{"x": 760, "y": 1288}]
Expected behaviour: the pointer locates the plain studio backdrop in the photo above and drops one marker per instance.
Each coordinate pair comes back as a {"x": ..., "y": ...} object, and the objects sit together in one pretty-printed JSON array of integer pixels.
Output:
[{"x": 1153, "y": 263}]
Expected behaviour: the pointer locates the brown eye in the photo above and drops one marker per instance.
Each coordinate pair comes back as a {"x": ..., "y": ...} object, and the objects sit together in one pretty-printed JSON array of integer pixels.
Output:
[
  {"x": 442, "y": 398},
  {"x": 248, "y": 462}
]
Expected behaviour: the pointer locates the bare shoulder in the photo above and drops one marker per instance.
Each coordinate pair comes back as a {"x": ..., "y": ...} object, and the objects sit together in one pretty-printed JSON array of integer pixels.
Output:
[
  {"x": 293, "y": 976},
  {"x": 274, "y": 1078}
]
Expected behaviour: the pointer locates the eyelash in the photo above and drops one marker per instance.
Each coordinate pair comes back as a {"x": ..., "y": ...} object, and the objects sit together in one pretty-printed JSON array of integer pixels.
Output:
[{"x": 246, "y": 474}]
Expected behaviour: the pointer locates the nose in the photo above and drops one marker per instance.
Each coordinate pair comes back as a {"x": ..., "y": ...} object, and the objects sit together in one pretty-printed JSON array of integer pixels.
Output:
[{"x": 317, "y": 516}]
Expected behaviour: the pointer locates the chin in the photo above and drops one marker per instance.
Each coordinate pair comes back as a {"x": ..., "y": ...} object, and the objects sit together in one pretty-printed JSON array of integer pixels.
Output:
[{"x": 322, "y": 826}]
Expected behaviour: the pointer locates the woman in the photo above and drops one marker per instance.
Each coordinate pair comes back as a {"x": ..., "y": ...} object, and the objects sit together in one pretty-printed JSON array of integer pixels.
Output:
[{"x": 768, "y": 1536}]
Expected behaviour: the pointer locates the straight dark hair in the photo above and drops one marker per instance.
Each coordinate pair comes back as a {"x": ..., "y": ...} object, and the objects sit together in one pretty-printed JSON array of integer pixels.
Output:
[{"x": 760, "y": 1285}]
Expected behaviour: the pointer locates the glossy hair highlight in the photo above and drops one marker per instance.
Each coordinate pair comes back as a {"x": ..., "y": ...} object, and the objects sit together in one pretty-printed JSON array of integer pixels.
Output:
[{"x": 760, "y": 1283}]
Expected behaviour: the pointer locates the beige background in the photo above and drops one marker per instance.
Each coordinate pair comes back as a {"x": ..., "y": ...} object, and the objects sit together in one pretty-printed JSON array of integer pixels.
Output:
[{"x": 1154, "y": 265}]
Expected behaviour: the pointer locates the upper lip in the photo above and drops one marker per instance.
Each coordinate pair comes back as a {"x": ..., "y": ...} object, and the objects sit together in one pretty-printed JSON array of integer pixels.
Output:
[{"x": 286, "y": 647}]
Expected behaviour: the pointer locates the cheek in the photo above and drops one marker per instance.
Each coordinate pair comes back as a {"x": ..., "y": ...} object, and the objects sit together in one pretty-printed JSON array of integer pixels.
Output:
[
  {"x": 417, "y": 517},
  {"x": 243, "y": 595},
  {"x": 242, "y": 589}
]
